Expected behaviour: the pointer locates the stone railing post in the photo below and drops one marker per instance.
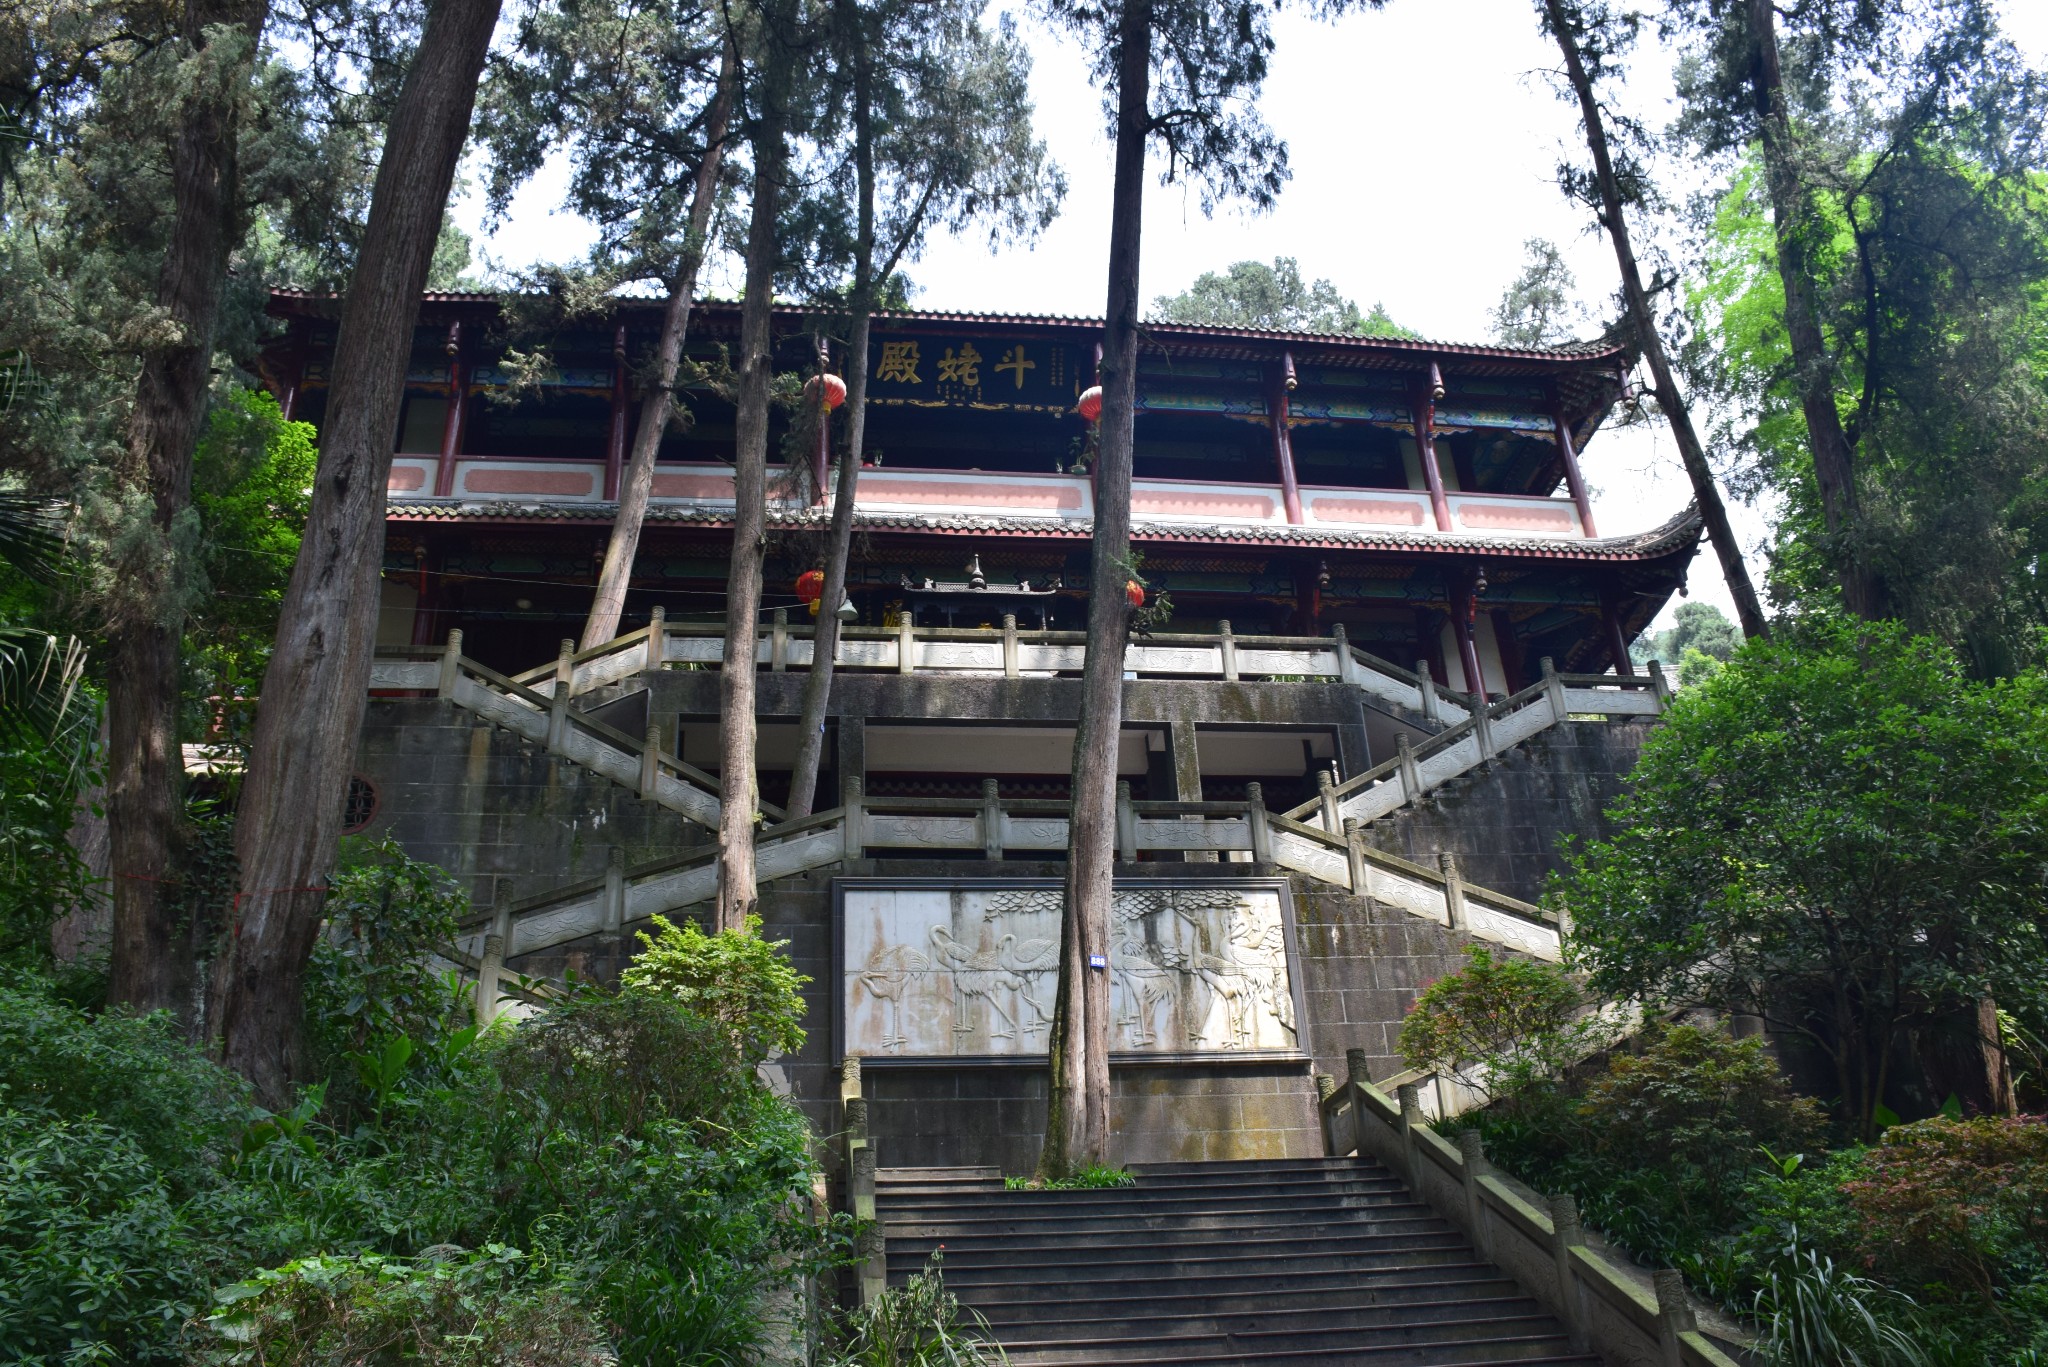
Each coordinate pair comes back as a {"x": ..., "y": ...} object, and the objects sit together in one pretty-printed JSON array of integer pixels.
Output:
[
  {"x": 1472, "y": 1149},
  {"x": 853, "y": 821},
  {"x": 1326, "y": 1087},
  {"x": 1411, "y": 775},
  {"x": 657, "y": 639},
  {"x": 1659, "y": 689},
  {"x": 906, "y": 644},
  {"x": 1228, "y": 643},
  {"x": 991, "y": 820},
  {"x": 1428, "y": 687},
  {"x": 451, "y": 664},
  {"x": 1674, "y": 1314},
  {"x": 1482, "y": 726},
  {"x": 1011, "y": 667},
  {"x": 1455, "y": 917},
  {"x": 1354, "y": 855},
  {"x": 491, "y": 967},
  {"x": 558, "y": 703},
  {"x": 1411, "y": 1121},
  {"x": 615, "y": 890},
  {"x": 1553, "y": 689},
  {"x": 1126, "y": 824},
  {"x": 1341, "y": 640},
  {"x": 1262, "y": 833},
  {"x": 1326, "y": 792},
  {"x": 1565, "y": 1235},
  {"x": 778, "y": 642},
  {"x": 1357, "y": 1068},
  {"x": 650, "y": 761}
]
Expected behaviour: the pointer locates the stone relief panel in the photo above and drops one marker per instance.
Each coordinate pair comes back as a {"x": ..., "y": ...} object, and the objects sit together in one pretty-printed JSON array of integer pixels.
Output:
[{"x": 965, "y": 971}]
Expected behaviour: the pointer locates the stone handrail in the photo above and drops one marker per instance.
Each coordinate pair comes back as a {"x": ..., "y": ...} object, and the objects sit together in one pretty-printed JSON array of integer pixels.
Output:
[
  {"x": 1489, "y": 729},
  {"x": 546, "y": 719},
  {"x": 1007, "y": 651},
  {"x": 872, "y": 1268},
  {"x": 998, "y": 827},
  {"x": 1603, "y": 1308}
]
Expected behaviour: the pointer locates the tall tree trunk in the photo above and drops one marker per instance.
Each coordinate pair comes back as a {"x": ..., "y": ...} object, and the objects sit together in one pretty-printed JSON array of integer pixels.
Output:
[
  {"x": 1563, "y": 20},
  {"x": 739, "y": 810},
  {"x": 1834, "y": 461},
  {"x": 1078, "y": 1097},
  {"x": 317, "y": 685},
  {"x": 617, "y": 575},
  {"x": 810, "y": 750},
  {"x": 145, "y": 768}
]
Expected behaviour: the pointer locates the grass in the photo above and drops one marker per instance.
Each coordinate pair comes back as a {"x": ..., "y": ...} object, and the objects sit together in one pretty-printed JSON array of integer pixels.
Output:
[{"x": 1094, "y": 1177}]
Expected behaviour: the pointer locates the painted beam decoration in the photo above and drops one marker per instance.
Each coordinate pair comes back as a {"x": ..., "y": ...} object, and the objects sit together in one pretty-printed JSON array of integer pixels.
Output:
[{"x": 939, "y": 969}]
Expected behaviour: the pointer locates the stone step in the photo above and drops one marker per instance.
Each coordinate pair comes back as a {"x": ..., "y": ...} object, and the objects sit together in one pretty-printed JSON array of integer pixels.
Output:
[
  {"x": 1388, "y": 1251},
  {"x": 1457, "y": 1340},
  {"x": 1090, "y": 1253},
  {"x": 1176, "y": 1236},
  {"x": 1272, "y": 1279},
  {"x": 1320, "y": 1315},
  {"x": 1390, "y": 1205},
  {"x": 1253, "y": 1294},
  {"x": 1121, "y": 1203}
]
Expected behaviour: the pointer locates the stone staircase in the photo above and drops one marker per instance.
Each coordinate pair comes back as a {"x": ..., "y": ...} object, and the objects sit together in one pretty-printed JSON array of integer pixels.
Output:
[{"x": 1294, "y": 1260}]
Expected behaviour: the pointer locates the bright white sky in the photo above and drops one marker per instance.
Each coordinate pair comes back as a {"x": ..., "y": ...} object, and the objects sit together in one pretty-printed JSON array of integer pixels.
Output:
[{"x": 1423, "y": 139}]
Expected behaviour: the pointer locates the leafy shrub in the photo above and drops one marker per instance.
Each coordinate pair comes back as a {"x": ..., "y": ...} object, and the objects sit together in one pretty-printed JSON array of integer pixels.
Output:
[
  {"x": 368, "y": 981},
  {"x": 1498, "y": 1023},
  {"x": 459, "y": 1310},
  {"x": 1697, "y": 1108},
  {"x": 1093, "y": 1177},
  {"x": 734, "y": 977},
  {"x": 919, "y": 1324},
  {"x": 132, "y": 1074},
  {"x": 1957, "y": 1207},
  {"x": 652, "y": 1167},
  {"x": 97, "y": 1263}
]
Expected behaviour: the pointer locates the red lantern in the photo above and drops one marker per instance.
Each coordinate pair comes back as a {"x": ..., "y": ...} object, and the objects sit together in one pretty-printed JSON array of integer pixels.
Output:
[
  {"x": 1090, "y": 405},
  {"x": 810, "y": 585},
  {"x": 1134, "y": 591},
  {"x": 831, "y": 386}
]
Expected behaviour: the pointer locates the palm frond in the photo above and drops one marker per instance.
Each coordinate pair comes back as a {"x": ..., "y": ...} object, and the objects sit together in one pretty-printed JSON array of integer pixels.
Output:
[
  {"x": 32, "y": 534},
  {"x": 39, "y": 678}
]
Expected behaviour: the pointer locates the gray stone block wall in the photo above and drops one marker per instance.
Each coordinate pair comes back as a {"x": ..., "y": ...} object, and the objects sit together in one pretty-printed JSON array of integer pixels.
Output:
[
  {"x": 485, "y": 805},
  {"x": 1506, "y": 822}
]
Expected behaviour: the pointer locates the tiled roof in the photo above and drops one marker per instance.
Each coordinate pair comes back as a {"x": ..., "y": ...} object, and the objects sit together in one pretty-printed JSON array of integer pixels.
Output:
[
  {"x": 1598, "y": 349},
  {"x": 1681, "y": 533}
]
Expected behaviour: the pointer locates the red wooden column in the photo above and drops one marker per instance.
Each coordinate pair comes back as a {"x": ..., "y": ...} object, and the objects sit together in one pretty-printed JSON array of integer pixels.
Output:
[
  {"x": 425, "y": 598},
  {"x": 1617, "y": 639},
  {"x": 1464, "y": 606},
  {"x": 291, "y": 370},
  {"x": 1279, "y": 384},
  {"x": 451, "y": 430},
  {"x": 1425, "y": 399},
  {"x": 821, "y": 450},
  {"x": 1573, "y": 480},
  {"x": 615, "y": 449}
]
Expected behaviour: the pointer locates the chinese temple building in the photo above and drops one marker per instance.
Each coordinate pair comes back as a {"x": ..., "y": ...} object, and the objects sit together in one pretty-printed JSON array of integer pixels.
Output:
[
  {"x": 1317, "y": 808},
  {"x": 1423, "y": 496}
]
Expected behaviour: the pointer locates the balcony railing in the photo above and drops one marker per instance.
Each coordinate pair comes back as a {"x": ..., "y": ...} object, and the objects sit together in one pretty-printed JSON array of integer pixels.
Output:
[{"x": 1053, "y": 497}]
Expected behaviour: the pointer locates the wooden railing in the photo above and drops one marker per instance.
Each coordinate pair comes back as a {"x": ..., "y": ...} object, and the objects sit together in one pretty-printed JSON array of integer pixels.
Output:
[{"x": 1604, "y": 1308}]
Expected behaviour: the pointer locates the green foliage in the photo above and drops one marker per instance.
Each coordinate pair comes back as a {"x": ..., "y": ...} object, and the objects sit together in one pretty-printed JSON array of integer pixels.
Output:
[
  {"x": 1252, "y": 294},
  {"x": 735, "y": 977},
  {"x": 1499, "y": 1024},
  {"x": 43, "y": 775},
  {"x": 1695, "y": 627},
  {"x": 918, "y": 1324},
  {"x": 1816, "y": 1313},
  {"x": 1697, "y": 1107},
  {"x": 1662, "y": 1148},
  {"x": 1091, "y": 1177},
  {"x": 1539, "y": 307},
  {"x": 451, "y": 1309},
  {"x": 1955, "y": 1208},
  {"x": 368, "y": 982},
  {"x": 1838, "y": 832}
]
